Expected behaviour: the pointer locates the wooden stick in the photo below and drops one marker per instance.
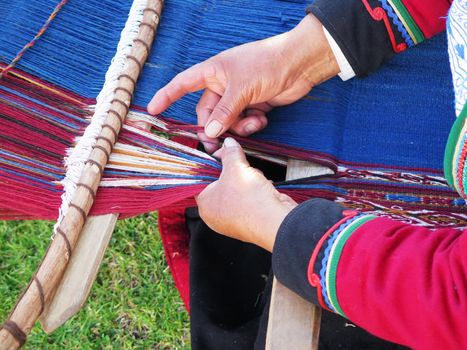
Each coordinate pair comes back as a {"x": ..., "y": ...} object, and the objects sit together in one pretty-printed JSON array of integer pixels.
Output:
[
  {"x": 81, "y": 272},
  {"x": 41, "y": 288},
  {"x": 79, "y": 276},
  {"x": 293, "y": 322}
]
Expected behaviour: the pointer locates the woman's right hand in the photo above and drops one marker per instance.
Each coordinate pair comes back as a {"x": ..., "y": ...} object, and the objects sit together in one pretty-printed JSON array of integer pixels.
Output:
[{"x": 243, "y": 83}]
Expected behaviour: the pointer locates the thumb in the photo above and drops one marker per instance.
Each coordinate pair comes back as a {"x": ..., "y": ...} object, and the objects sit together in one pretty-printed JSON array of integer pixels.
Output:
[
  {"x": 233, "y": 156},
  {"x": 226, "y": 112}
]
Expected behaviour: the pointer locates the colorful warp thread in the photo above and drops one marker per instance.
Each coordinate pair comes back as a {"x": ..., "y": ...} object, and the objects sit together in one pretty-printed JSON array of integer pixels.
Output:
[
  {"x": 147, "y": 172},
  {"x": 361, "y": 121},
  {"x": 38, "y": 127},
  {"x": 45, "y": 105},
  {"x": 34, "y": 40}
]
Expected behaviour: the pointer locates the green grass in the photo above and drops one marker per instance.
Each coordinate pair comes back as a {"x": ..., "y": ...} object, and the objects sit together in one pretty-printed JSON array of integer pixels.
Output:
[{"x": 133, "y": 304}]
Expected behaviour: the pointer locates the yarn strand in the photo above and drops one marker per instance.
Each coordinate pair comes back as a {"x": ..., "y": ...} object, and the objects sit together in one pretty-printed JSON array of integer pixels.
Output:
[{"x": 30, "y": 44}]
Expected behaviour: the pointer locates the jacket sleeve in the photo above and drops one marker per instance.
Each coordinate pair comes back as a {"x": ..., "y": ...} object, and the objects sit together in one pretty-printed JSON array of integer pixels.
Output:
[
  {"x": 402, "y": 283},
  {"x": 372, "y": 31}
]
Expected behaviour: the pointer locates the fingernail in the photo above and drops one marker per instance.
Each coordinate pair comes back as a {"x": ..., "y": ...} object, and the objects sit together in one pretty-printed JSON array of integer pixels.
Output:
[
  {"x": 230, "y": 142},
  {"x": 250, "y": 129},
  {"x": 213, "y": 129}
]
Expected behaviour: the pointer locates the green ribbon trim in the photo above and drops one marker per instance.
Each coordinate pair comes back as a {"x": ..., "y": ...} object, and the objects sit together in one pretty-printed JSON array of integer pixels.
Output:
[
  {"x": 335, "y": 256},
  {"x": 453, "y": 139},
  {"x": 409, "y": 21}
]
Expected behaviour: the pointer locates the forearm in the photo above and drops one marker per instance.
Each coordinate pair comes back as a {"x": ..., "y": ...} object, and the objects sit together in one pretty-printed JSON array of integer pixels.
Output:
[
  {"x": 408, "y": 284},
  {"x": 307, "y": 45},
  {"x": 403, "y": 283}
]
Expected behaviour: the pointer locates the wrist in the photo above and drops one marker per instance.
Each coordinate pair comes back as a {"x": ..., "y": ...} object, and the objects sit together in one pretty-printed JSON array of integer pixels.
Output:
[
  {"x": 313, "y": 58},
  {"x": 267, "y": 231}
]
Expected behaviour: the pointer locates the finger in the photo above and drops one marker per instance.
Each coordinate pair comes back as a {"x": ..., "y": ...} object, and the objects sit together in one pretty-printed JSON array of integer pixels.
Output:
[
  {"x": 205, "y": 106},
  {"x": 209, "y": 144},
  {"x": 226, "y": 112},
  {"x": 263, "y": 106},
  {"x": 233, "y": 156},
  {"x": 190, "y": 80},
  {"x": 254, "y": 121},
  {"x": 218, "y": 154}
]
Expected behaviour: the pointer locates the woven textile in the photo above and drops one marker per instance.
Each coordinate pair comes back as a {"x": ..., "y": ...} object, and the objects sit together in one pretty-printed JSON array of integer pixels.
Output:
[{"x": 384, "y": 135}]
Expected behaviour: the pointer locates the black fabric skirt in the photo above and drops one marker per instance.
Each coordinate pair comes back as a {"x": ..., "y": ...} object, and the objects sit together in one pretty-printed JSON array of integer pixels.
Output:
[{"x": 230, "y": 289}]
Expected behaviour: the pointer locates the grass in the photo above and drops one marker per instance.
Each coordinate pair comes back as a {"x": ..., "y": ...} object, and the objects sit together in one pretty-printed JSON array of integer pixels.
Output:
[{"x": 133, "y": 304}]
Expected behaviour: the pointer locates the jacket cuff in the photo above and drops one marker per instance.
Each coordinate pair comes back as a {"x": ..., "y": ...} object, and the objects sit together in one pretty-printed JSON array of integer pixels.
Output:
[
  {"x": 296, "y": 239},
  {"x": 365, "y": 41},
  {"x": 346, "y": 70}
]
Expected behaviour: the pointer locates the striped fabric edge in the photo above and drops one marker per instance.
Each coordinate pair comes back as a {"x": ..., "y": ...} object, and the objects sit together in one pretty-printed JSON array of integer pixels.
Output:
[
  {"x": 329, "y": 244},
  {"x": 408, "y": 38},
  {"x": 407, "y": 20},
  {"x": 455, "y": 155},
  {"x": 334, "y": 256}
]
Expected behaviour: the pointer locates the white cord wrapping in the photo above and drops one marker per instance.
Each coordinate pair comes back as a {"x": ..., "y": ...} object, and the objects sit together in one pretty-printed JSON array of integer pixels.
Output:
[{"x": 77, "y": 156}]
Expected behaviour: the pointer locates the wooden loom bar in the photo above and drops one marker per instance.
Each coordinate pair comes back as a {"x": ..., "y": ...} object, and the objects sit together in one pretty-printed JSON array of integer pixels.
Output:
[
  {"x": 79, "y": 276},
  {"x": 49, "y": 273},
  {"x": 81, "y": 272},
  {"x": 75, "y": 286},
  {"x": 293, "y": 322}
]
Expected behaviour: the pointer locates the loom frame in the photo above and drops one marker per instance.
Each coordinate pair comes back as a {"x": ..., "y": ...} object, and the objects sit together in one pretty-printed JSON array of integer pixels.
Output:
[{"x": 42, "y": 286}]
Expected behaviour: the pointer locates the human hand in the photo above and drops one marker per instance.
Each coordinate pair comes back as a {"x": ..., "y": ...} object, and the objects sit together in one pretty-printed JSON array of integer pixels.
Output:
[
  {"x": 243, "y": 204},
  {"x": 243, "y": 83}
]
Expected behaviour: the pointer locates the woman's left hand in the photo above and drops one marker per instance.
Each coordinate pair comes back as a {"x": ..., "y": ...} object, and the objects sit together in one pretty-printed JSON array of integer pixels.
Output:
[{"x": 243, "y": 204}]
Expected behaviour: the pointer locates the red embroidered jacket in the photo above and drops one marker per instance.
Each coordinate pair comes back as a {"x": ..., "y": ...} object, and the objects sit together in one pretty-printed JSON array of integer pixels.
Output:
[
  {"x": 371, "y": 31},
  {"x": 402, "y": 283}
]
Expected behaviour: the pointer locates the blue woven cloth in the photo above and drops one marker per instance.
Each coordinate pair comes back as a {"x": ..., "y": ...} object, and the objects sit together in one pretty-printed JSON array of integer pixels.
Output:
[{"x": 399, "y": 117}]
